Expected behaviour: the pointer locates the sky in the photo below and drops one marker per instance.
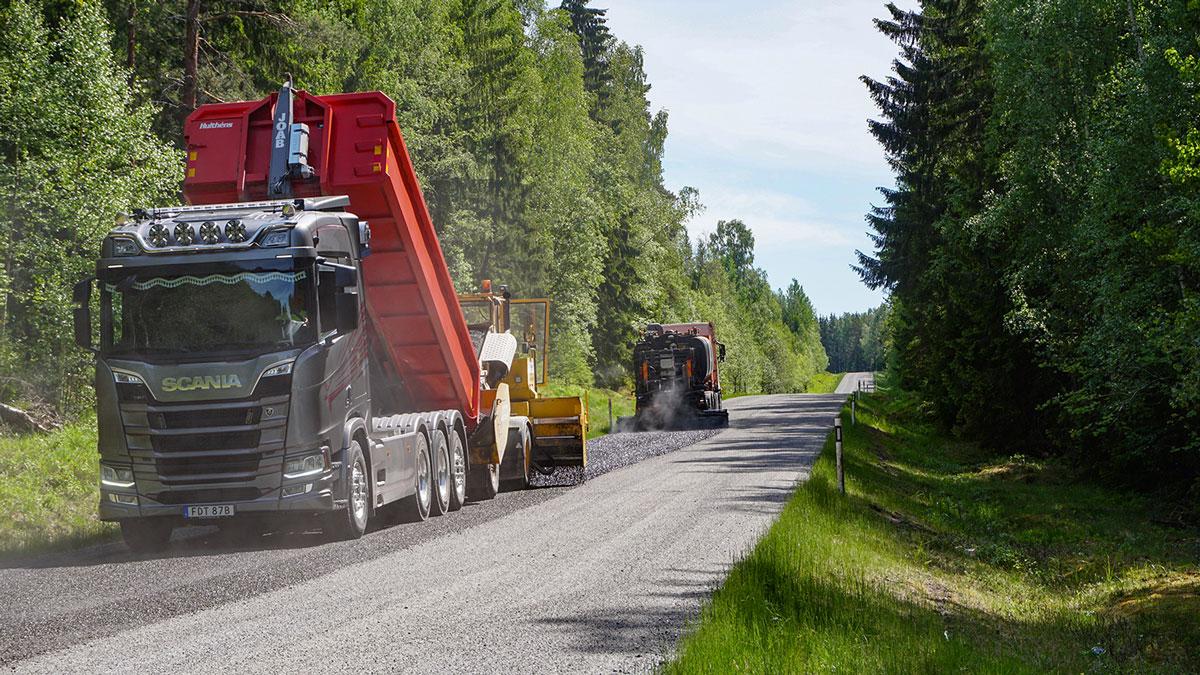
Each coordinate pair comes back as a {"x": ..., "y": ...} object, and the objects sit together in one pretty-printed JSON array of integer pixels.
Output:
[{"x": 767, "y": 119}]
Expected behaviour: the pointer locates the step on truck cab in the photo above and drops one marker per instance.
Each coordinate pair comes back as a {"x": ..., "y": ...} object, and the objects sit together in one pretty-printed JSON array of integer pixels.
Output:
[{"x": 289, "y": 342}]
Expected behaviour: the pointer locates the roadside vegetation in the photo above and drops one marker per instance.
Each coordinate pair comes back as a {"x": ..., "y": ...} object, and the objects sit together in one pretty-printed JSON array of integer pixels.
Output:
[
  {"x": 824, "y": 383},
  {"x": 942, "y": 558},
  {"x": 49, "y": 490},
  {"x": 1041, "y": 240}
]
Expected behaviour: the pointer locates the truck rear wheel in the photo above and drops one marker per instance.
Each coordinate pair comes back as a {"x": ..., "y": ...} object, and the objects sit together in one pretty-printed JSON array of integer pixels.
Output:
[
  {"x": 146, "y": 535},
  {"x": 483, "y": 482},
  {"x": 441, "y": 473},
  {"x": 458, "y": 472},
  {"x": 351, "y": 522},
  {"x": 415, "y": 508}
]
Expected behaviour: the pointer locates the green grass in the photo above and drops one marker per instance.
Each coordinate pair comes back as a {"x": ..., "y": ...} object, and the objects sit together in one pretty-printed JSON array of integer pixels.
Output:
[
  {"x": 49, "y": 490},
  {"x": 941, "y": 559},
  {"x": 824, "y": 383},
  {"x": 597, "y": 402}
]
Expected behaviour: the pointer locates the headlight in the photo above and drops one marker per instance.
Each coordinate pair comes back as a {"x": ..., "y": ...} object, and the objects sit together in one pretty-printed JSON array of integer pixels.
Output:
[
  {"x": 113, "y": 476},
  {"x": 281, "y": 369},
  {"x": 123, "y": 248},
  {"x": 123, "y": 377},
  {"x": 276, "y": 239},
  {"x": 304, "y": 466}
]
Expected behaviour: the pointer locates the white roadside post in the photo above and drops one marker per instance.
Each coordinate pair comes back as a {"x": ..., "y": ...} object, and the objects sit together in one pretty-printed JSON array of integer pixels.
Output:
[
  {"x": 854, "y": 409},
  {"x": 837, "y": 431}
]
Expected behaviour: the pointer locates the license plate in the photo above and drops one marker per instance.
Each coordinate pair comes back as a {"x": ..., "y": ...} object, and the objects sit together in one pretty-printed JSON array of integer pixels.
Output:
[
  {"x": 209, "y": 511},
  {"x": 667, "y": 364}
]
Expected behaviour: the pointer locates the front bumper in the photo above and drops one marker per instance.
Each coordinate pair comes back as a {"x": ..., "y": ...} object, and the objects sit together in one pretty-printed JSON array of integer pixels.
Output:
[{"x": 318, "y": 498}]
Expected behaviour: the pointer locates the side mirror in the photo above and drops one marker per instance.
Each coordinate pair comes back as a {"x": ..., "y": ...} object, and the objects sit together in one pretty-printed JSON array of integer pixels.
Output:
[
  {"x": 83, "y": 328},
  {"x": 364, "y": 239},
  {"x": 82, "y": 314},
  {"x": 82, "y": 293},
  {"x": 720, "y": 351}
]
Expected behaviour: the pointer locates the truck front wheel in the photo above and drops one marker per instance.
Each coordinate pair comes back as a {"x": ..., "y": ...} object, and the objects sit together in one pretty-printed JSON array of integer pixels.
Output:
[
  {"x": 351, "y": 522},
  {"x": 146, "y": 535}
]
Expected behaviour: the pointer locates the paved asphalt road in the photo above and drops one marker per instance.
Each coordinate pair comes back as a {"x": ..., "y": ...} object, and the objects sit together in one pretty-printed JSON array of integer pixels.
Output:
[
  {"x": 602, "y": 577},
  {"x": 850, "y": 382}
]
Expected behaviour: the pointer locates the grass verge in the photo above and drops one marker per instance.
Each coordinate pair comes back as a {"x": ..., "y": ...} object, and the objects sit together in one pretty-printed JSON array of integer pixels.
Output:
[
  {"x": 824, "y": 383},
  {"x": 942, "y": 558},
  {"x": 49, "y": 491}
]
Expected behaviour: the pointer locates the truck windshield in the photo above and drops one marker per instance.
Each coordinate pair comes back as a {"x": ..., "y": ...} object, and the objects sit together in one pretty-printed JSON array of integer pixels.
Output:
[{"x": 249, "y": 307}]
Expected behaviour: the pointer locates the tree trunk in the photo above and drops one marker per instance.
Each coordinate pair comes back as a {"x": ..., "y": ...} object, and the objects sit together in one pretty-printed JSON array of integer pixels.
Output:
[
  {"x": 131, "y": 38},
  {"x": 191, "y": 56}
]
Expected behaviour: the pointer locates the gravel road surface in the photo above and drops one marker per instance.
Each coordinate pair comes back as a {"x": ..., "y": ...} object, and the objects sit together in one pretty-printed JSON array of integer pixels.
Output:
[{"x": 602, "y": 576}]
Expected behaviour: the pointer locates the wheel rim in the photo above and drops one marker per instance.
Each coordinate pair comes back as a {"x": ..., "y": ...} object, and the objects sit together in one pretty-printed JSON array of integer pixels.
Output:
[
  {"x": 358, "y": 491},
  {"x": 423, "y": 492},
  {"x": 443, "y": 475},
  {"x": 460, "y": 473}
]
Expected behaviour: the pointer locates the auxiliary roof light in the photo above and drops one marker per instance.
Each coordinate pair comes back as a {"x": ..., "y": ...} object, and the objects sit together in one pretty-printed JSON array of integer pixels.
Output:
[
  {"x": 210, "y": 233},
  {"x": 288, "y": 210},
  {"x": 185, "y": 234},
  {"x": 158, "y": 234},
  {"x": 235, "y": 231}
]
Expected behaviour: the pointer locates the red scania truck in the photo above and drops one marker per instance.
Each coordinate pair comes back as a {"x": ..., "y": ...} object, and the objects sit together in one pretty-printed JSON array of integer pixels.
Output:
[{"x": 290, "y": 341}]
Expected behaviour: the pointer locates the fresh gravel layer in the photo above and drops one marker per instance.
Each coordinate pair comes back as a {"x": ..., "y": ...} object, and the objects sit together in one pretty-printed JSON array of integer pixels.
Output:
[
  {"x": 62, "y": 599},
  {"x": 614, "y": 451}
]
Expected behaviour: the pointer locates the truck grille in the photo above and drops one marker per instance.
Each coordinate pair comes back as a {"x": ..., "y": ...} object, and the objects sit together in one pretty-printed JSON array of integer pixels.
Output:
[{"x": 207, "y": 451}]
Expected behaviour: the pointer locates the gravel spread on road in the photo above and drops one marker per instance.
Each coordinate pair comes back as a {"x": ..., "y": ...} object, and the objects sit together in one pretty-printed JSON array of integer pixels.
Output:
[
  {"x": 62, "y": 599},
  {"x": 611, "y": 452}
]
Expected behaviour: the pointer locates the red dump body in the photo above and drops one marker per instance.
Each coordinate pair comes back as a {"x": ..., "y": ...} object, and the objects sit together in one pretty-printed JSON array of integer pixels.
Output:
[
  {"x": 703, "y": 329},
  {"x": 355, "y": 149}
]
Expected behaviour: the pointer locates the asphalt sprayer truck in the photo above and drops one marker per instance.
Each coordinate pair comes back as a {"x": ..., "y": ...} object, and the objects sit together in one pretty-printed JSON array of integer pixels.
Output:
[
  {"x": 290, "y": 345},
  {"x": 677, "y": 383}
]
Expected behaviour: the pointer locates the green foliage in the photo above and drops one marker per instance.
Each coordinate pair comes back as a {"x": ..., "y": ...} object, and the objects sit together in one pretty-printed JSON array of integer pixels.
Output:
[
  {"x": 942, "y": 559},
  {"x": 530, "y": 127},
  {"x": 49, "y": 490},
  {"x": 76, "y": 150},
  {"x": 856, "y": 342},
  {"x": 1041, "y": 244}
]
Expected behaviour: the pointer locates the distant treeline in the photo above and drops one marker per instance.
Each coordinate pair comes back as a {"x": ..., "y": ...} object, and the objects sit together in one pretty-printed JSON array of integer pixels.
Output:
[
  {"x": 530, "y": 128},
  {"x": 855, "y": 342},
  {"x": 1042, "y": 240}
]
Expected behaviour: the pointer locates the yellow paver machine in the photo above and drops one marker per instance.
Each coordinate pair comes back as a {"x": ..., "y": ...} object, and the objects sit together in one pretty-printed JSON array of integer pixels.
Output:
[{"x": 557, "y": 425}]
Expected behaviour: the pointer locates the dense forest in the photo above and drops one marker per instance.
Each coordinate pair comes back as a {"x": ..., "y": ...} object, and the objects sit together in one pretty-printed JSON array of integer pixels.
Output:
[
  {"x": 529, "y": 126},
  {"x": 1041, "y": 241},
  {"x": 856, "y": 341}
]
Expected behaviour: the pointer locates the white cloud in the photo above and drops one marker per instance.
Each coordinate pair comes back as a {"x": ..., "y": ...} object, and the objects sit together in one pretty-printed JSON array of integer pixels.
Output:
[{"x": 778, "y": 219}]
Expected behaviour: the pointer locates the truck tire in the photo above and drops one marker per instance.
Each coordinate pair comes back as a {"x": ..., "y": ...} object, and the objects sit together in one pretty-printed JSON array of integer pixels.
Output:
[
  {"x": 146, "y": 535},
  {"x": 415, "y": 508},
  {"x": 483, "y": 482},
  {"x": 458, "y": 471},
  {"x": 514, "y": 470},
  {"x": 439, "y": 451},
  {"x": 351, "y": 522}
]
